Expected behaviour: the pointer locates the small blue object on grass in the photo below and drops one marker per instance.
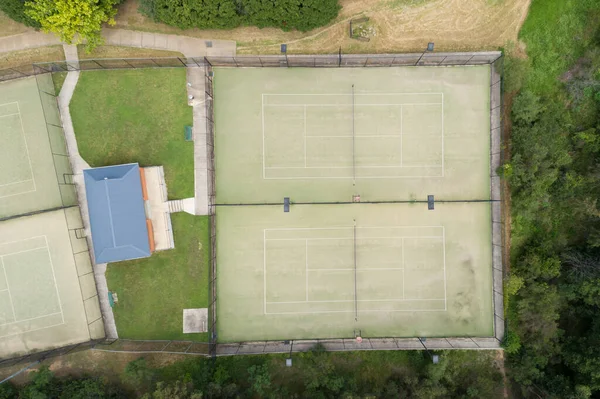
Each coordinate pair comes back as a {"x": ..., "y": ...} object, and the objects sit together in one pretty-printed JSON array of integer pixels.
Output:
[
  {"x": 284, "y": 48},
  {"x": 188, "y": 133},
  {"x": 430, "y": 47},
  {"x": 111, "y": 300}
]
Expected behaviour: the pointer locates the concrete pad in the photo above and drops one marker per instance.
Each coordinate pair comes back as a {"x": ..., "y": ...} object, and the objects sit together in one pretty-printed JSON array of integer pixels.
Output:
[
  {"x": 462, "y": 343},
  {"x": 189, "y": 205},
  {"x": 148, "y": 40},
  {"x": 195, "y": 320},
  {"x": 437, "y": 343},
  {"x": 227, "y": 349},
  {"x": 96, "y": 329},
  {"x": 276, "y": 347},
  {"x": 249, "y": 347},
  {"x": 304, "y": 346},
  {"x": 83, "y": 263},
  {"x": 333, "y": 345},
  {"x": 156, "y": 210},
  {"x": 384, "y": 343}
]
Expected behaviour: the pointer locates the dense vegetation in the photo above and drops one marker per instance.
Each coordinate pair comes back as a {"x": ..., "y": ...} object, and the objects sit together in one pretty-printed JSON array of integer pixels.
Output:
[
  {"x": 554, "y": 287},
  {"x": 315, "y": 374},
  {"x": 15, "y": 9},
  {"x": 226, "y": 14}
]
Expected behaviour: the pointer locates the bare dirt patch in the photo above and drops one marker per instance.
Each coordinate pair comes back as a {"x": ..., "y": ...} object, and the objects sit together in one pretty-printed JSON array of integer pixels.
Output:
[{"x": 401, "y": 25}]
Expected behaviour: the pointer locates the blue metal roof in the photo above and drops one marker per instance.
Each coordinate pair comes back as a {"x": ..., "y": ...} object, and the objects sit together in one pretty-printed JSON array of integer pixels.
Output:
[{"x": 117, "y": 216}]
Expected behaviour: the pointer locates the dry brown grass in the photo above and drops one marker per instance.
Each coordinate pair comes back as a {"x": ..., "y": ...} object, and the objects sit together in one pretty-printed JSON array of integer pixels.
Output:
[
  {"x": 124, "y": 52},
  {"x": 401, "y": 25},
  {"x": 8, "y": 27},
  {"x": 27, "y": 57}
]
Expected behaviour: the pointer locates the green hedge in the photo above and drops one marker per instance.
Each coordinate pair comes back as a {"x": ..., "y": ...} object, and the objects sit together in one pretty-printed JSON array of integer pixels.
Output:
[
  {"x": 303, "y": 15},
  {"x": 15, "y": 9}
]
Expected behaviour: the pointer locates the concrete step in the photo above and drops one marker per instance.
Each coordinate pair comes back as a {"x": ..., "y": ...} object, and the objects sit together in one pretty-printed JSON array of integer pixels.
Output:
[{"x": 175, "y": 206}]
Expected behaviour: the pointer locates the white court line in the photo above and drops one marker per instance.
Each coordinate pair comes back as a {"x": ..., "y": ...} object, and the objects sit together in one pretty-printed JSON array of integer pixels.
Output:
[
  {"x": 403, "y": 267},
  {"x": 401, "y": 132},
  {"x": 32, "y": 318},
  {"x": 444, "y": 252},
  {"x": 351, "y": 227},
  {"x": 21, "y": 252},
  {"x": 358, "y": 270},
  {"x": 305, "y": 136},
  {"x": 54, "y": 277},
  {"x": 25, "y": 239},
  {"x": 17, "y": 182},
  {"x": 265, "y": 270},
  {"x": 8, "y": 289},
  {"x": 3, "y": 116},
  {"x": 352, "y": 238},
  {"x": 349, "y": 95},
  {"x": 443, "y": 135},
  {"x": 306, "y": 262},
  {"x": 349, "y": 105},
  {"x": 28, "y": 156},
  {"x": 264, "y": 156},
  {"x": 360, "y": 300},
  {"x": 350, "y": 167},
  {"x": 359, "y": 311},
  {"x": 29, "y": 331},
  {"x": 350, "y": 177}
]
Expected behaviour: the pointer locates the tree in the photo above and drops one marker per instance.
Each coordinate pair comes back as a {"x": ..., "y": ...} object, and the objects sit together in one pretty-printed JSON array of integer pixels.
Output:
[
  {"x": 138, "y": 373},
  {"x": 15, "y": 9},
  {"x": 179, "y": 390},
  {"x": 74, "y": 21}
]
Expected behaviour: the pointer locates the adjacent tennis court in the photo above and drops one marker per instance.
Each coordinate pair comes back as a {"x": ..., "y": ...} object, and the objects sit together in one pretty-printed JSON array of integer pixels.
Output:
[
  {"x": 323, "y": 271},
  {"x": 41, "y": 299},
  {"x": 326, "y": 134},
  {"x": 35, "y": 169}
]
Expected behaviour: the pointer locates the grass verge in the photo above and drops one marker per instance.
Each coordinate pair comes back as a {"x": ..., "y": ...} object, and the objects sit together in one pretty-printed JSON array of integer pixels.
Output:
[
  {"x": 154, "y": 291},
  {"x": 24, "y": 58},
  {"x": 123, "y": 116},
  {"x": 123, "y": 52}
]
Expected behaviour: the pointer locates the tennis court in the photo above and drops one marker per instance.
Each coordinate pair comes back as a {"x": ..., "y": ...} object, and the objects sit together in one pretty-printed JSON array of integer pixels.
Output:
[
  {"x": 32, "y": 159},
  {"x": 41, "y": 300},
  {"x": 326, "y": 134},
  {"x": 323, "y": 271},
  {"x": 357, "y": 152}
]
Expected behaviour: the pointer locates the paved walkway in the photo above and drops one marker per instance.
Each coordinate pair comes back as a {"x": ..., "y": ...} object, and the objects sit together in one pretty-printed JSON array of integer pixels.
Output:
[
  {"x": 78, "y": 164},
  {"x": 189, "y": 46}
]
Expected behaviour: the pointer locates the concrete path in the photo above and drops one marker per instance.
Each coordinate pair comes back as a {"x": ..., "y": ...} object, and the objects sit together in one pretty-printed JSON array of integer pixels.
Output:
[
  {"x": 78, "y": 164},
  {"x": 189, "y": 46}
]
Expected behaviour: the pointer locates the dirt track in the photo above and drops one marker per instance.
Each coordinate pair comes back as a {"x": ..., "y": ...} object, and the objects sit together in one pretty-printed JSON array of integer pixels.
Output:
[{"x": 399, "y": 26}]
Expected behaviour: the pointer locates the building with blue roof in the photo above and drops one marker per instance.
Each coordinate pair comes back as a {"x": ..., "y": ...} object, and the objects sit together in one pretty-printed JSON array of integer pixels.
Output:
[{"x": 115, "y": 202}]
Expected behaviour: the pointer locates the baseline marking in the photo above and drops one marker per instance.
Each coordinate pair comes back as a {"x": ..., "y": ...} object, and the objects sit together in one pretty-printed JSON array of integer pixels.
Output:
[{"x": 8, "y": 289}]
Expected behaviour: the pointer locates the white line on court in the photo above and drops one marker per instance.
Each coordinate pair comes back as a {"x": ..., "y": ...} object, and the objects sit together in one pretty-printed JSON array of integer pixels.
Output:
[
  {"x": 8, "y": 289},
  {"x": 265, "y": 269},
  {"x": 3, "y": 116},
  {"x": 360, "y": 300},
  {"x": 374, "y": 93},
  {"x": 26, "y": 146},
  {"x": 351, "y": 227},
  {"x": 17, "y": 182},
  {"x": 262, "y": 112},
  {"x": 348, "y": 105},
  {"x": 358, "y": 270},
  {"x": 403, "y": 267},
  {"x": 443, "y": 135},
  {"x": 306, "y": 262},
  {"x": 350, "y": 167},
  {"x": 444, "y": 252},
  {"x": 54, "y": 277},
  {"x": 359, "y": 310},
  {"x": 401, "y": 132},
  {"x": 29, "y": 331},
  {"x": 25, "y": 239},
  {"x": 21, "y": 252},
  {"x": 351, "y": 238},
  {"x": 305, "y": 136},
  {"x": 350, "y": 177},
  {"x": 31, "y": 318}
]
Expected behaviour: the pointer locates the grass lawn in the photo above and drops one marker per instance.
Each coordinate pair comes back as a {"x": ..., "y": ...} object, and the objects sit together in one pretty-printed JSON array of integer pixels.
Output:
[
  {"x": 154, "y": 291},
  {"x": 123, "y": 116}
]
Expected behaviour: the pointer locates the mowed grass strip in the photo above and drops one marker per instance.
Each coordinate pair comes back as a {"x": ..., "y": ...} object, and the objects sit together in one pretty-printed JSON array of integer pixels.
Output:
[
  {"x": 153, "y": 292},
  {"x": 123, "y": 116}
]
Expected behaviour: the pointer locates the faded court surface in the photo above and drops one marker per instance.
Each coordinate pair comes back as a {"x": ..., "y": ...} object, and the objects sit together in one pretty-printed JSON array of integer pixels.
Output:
[
  {"x": 412, "y": 273},
  {"x": 41, "y": 298},
  {"x": 320, "y": 134},
  {"x": 32, "y": 157}
]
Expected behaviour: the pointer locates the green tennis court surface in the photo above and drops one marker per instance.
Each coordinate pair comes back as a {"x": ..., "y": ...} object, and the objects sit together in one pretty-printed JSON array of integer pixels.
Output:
[
  {"x": 326, "y": 134},
  {"x": 345, "y": 136},
  {"x": 32, "y": 154},
  {"x": 41, "y": 303}
]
